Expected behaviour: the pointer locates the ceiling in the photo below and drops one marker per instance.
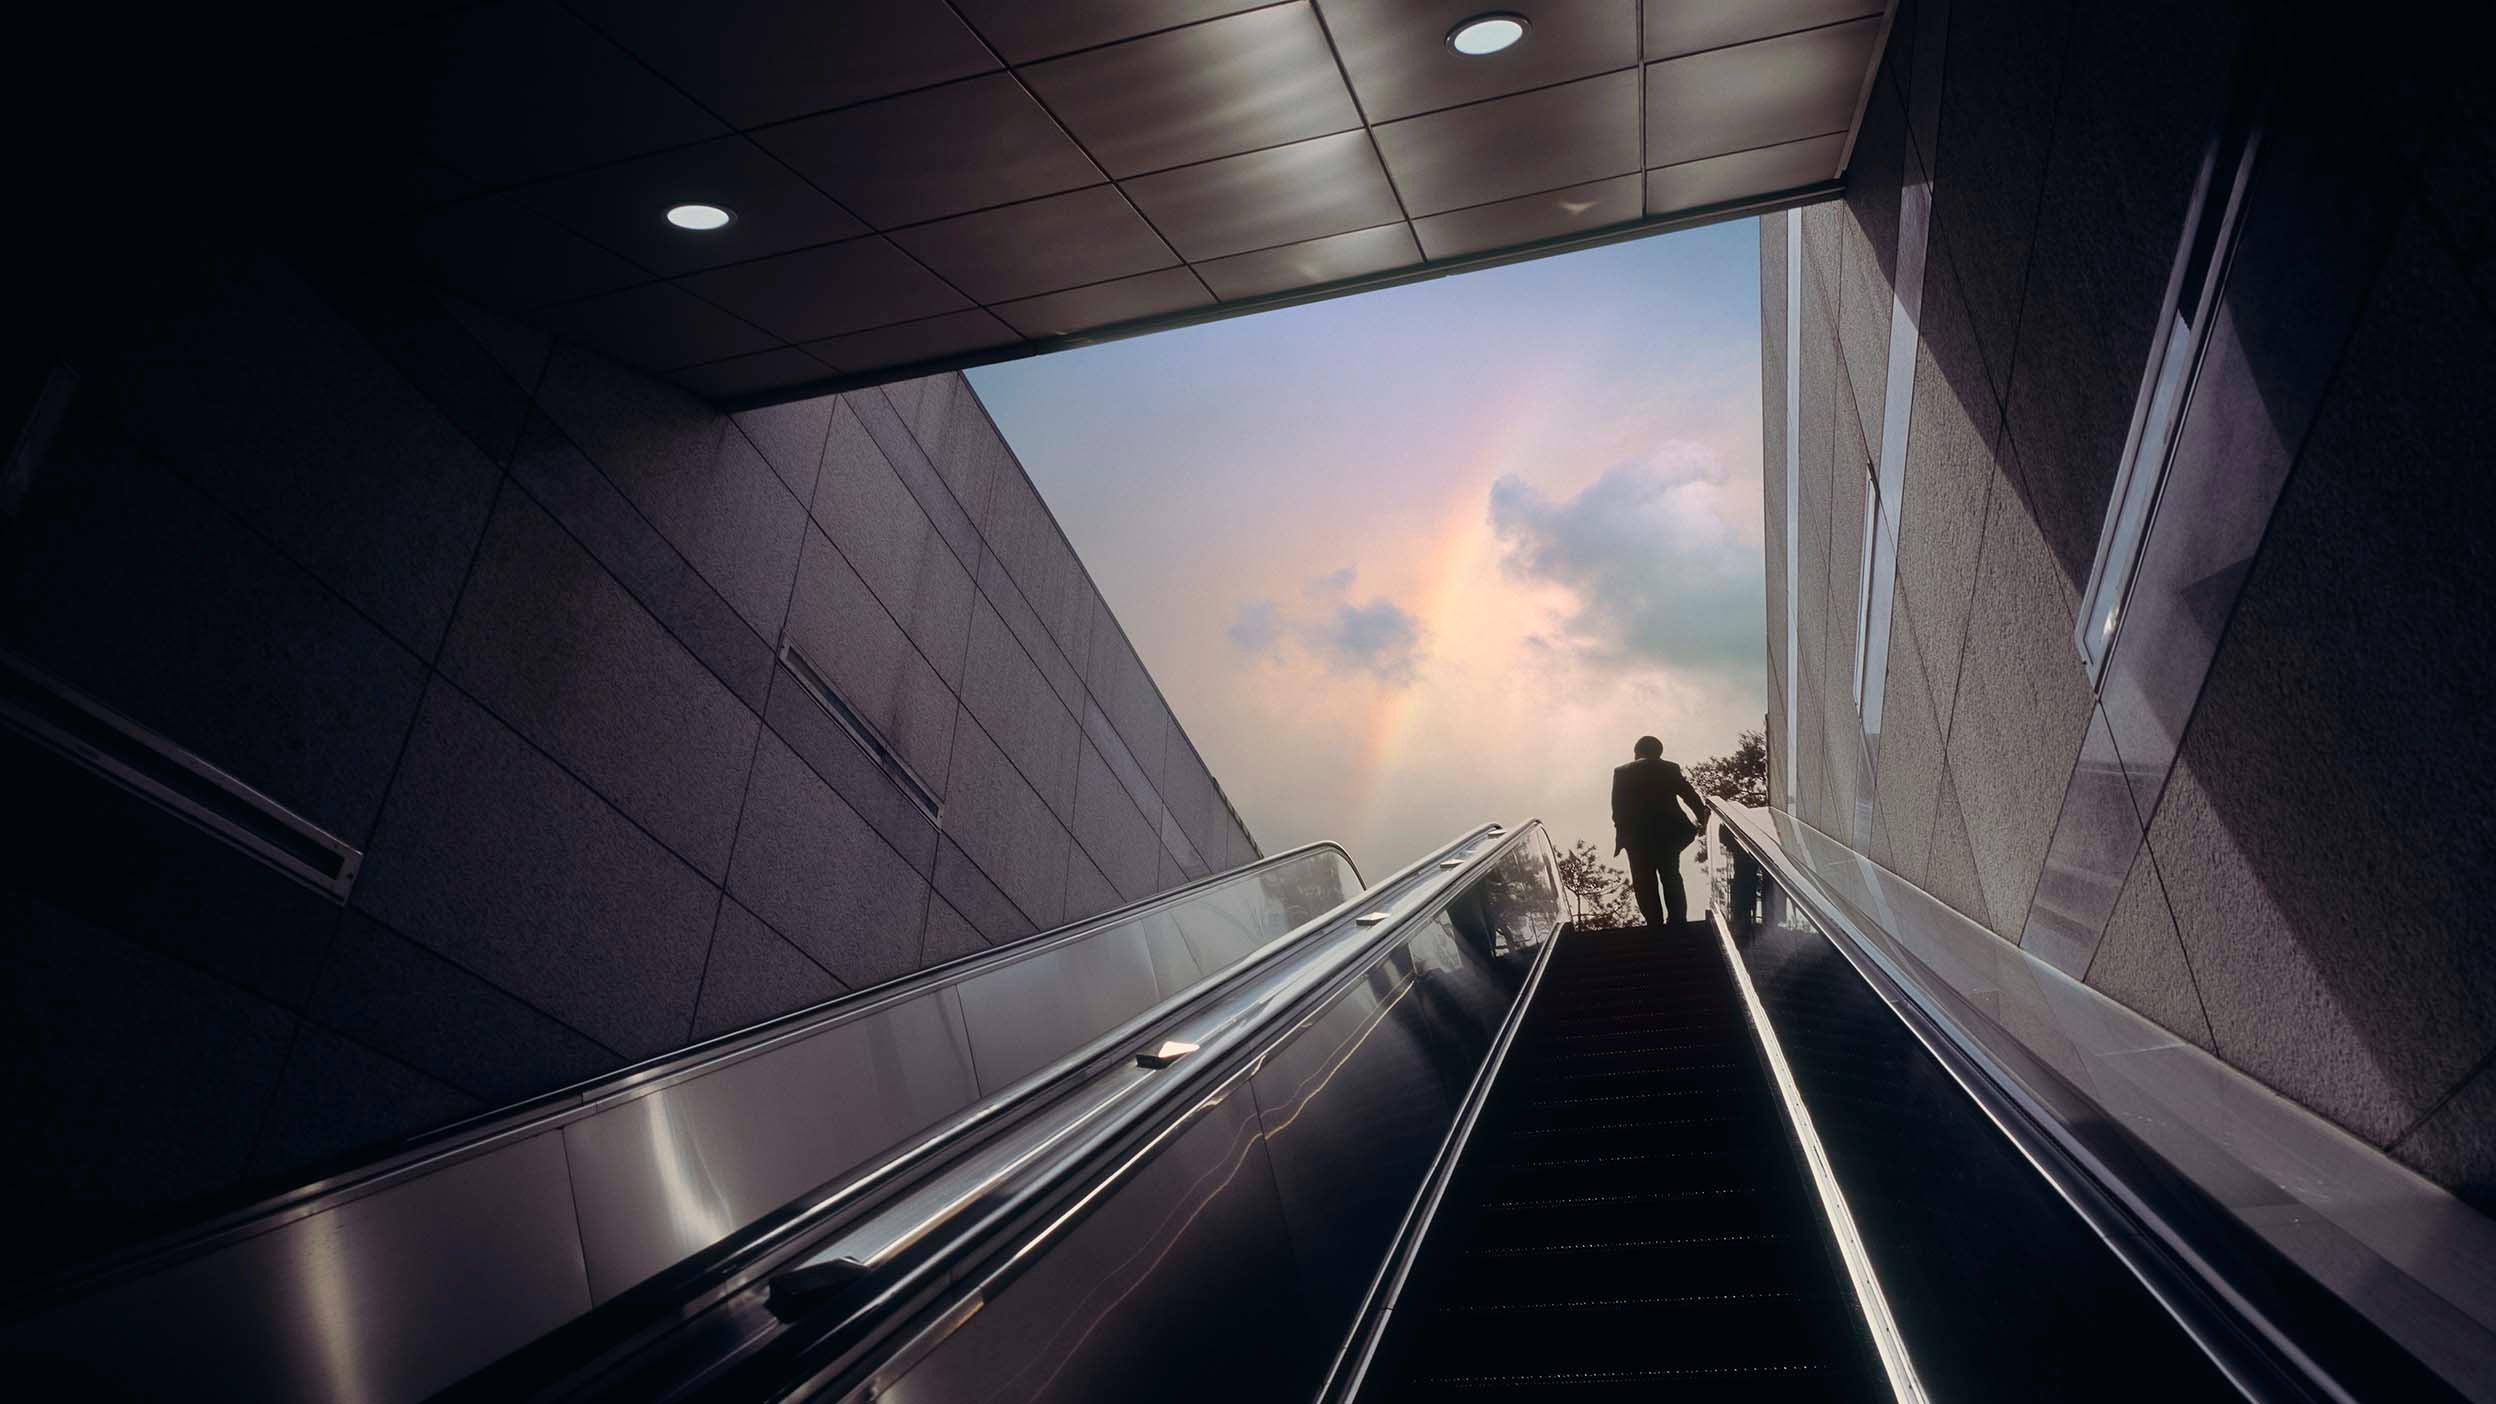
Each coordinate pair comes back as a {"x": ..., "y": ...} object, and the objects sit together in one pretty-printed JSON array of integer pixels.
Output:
[{"x": 920, "y": 184}]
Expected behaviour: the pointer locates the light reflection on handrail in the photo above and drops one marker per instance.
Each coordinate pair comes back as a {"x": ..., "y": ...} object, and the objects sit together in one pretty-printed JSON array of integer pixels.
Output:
[{"x": 1234, "y": 1048}]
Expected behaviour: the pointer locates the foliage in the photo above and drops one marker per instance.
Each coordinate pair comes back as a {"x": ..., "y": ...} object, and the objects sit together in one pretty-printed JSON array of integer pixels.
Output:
[
  {"x": 1599, "y": 895},
  {"x": 1740, "y": 778}
]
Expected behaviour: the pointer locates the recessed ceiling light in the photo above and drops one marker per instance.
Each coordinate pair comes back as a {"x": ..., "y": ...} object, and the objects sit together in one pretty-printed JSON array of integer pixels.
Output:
[
  {"x": 1486, "y": 34},
  {"x": 699, "y": 217}
]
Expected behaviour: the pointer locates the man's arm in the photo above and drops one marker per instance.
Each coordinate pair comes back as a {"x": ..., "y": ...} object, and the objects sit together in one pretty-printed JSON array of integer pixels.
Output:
[{"x": 1698, "y": 805}]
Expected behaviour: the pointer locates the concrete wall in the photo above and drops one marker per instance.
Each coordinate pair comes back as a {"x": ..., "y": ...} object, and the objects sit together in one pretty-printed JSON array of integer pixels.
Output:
[
  {"x": 2303, "y": 890},
  {"x": 506, "y": 616}
]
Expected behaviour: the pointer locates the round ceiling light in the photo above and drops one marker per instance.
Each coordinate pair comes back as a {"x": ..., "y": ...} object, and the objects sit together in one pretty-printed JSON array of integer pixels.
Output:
[
  {"x": 1486, "y": 34},
  {"x": 699, "y": 217}
]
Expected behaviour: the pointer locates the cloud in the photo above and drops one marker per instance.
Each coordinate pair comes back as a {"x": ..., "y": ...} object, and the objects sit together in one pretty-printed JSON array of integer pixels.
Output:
[
  {"x": 1659, "y": 577},
  {"x": 1377, "y": 637},
  {"x": 1257, "y": 628}
]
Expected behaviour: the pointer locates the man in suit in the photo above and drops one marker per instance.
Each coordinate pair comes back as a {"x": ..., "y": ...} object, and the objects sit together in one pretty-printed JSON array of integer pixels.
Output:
[{"x": 1647, "y": 795}]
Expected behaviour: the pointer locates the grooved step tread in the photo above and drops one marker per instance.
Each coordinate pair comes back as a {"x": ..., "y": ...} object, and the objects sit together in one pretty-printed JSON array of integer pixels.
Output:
[{"x": 1631, "y": 1220}]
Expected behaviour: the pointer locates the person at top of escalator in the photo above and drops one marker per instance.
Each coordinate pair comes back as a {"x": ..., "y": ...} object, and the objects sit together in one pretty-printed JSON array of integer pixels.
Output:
[{"x": 1647, "y": 823}]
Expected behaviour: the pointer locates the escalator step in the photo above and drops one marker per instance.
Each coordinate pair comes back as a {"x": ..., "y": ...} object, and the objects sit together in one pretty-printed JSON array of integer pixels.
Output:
[{"x": 1633, "y": 1221}]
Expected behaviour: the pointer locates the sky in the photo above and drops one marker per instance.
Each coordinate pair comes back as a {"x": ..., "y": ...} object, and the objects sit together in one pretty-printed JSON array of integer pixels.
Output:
[{"x": 1424, "y": 557}]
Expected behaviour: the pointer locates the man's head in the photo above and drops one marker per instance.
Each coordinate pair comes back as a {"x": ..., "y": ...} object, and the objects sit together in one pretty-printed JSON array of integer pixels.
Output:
[{"x": 1648, "y": 748}]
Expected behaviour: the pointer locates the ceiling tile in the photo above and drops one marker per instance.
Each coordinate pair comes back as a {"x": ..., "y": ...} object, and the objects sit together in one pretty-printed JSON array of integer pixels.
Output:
[
  {"x": 757, "y": 61},
  {"x": 1328, "y": 260},
  {"x": 1083, "y": 236},
  {"x": 1768, "y": 169},
  {"x": 1676, "y": 27},
  {"x": 624, "y": 206},
  {"x": 530, "y": 91},
  {"x": 776, "y": 369},
  {"x": 657, "y": 326},
  {"x": 941, "y": 151},
  {"x": 501, "y": 253},
  {"x": 1213, "y": 89},
  {"x": 1106, "y": 304},
  {"x": 1401, "y": 63},
  {"x": 1277, "y": 196},
  {"x": 905, "y": 343},
  {"x": 829, "y": 290},
  {"x": 1553, "y": 214},
  {"x": 1776, "y": 90},
  {"x": 1023, "y": 31},
  {"x": 1552, "y": 137}
]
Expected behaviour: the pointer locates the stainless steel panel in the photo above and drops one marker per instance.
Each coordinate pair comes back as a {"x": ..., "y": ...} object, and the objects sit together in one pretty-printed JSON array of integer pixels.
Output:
[
  {"x": 1214, "y": 89},
  {"x": 1401, "y": 63},
  {"x": 624, "y": 206},
  {"x": 1552, "y": 214},
  {"x": 1174, "y": 1286},
  {"x": 1567, "y": 135},
  {"x": 1307, "y": 264},
  {"x": 673, "y": 1172},
  {"x": 1354, "y": 1107},
  {"x": 1222, "y": 932},
  {"x": 1023, "y": 31},
  {"x": 1677, "y": 27},
  {"x": 1106, "y": 304},
  {"x": 1744, "y": 173},
  {"x": 1031, "y": 1013},
  {"x": 825, "y": 291},
  {"x": 388, "y": 1297},
  {"x": 904, "y": 342},
  {"x": 2086, "y": 1060},
  {"x": 1281, "y": 195},
  {"x": 1061, "y": 241},
  {"x": 2095, "y": 842},
  {"x": 1777, "y": 90},
  {"x": 941, "y": 151},
  {"x": 1174, "y": 965}
]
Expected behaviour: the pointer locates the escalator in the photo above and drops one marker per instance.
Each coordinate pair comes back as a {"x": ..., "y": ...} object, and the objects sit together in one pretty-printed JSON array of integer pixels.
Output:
[
  {"x": 1280, "y": 1136},
  {"x": 1632, "y": 1216}
]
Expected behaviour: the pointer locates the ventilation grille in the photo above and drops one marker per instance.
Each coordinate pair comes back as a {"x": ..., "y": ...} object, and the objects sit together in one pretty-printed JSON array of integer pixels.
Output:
[
  {"x": 860, "y": 730},
  {"x": 86, "y": 731}
]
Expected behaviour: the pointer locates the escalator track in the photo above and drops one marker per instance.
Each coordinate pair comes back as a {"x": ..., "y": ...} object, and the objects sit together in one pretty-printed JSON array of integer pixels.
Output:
[{"x": 1632, "y": 1219}]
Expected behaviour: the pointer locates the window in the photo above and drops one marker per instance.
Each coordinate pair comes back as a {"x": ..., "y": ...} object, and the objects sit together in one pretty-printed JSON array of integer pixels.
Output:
[{"x": 2166, "y": 385}]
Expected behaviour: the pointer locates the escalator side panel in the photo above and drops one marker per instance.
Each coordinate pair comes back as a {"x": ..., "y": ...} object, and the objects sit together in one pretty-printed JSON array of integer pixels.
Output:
[
  {"x": 1230, "y": 1265},
  {"x": 1999, "y": 1289},
  {"x": 1174, "y": 1286},
  {"x": 719, "y": 1152}
]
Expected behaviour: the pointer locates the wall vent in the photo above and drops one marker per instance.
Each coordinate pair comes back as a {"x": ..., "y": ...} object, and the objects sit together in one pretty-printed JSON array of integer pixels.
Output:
[
  {"x": 139, "y": 760},
  {"x": 860, "y": 730}
]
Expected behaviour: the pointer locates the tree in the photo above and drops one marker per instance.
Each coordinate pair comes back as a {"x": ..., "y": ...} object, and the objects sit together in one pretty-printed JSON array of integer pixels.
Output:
[
  {"x": 1740, "y": 778},
  {"x": 1599, "y": 895}
]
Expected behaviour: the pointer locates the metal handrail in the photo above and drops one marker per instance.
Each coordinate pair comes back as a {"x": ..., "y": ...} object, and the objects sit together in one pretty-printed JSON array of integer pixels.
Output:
[
  {"x": 2249, "y": 1349},
  {"x": 637, "y": 1320},
  {"x": 1369, "y": 1325},
  {"x": 935, "y": 1253},
  {"x": 477, "y": 1135}
]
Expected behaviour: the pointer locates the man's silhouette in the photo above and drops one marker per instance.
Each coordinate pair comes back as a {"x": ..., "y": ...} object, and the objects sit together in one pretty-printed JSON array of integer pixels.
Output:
[{"x": 1647, "y": 821}]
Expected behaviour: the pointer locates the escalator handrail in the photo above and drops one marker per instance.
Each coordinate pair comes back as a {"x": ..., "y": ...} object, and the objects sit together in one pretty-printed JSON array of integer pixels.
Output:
[
  {"x": 897, "y": 1311},
  {"x": 1386, "y": 1287},
  {"x": 2252, "y": 1351},
  {"x": 476, "y": 1135},
  {"x": 620, "y": 1329}
]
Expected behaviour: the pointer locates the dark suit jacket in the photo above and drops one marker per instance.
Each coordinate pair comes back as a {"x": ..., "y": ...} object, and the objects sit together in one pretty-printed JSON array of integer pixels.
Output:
[{"x": 1644, "y": 815}]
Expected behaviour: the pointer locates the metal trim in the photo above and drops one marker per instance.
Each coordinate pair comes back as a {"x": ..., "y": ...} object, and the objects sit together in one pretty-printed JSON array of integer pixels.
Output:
[
  {"x": 2252, "y": 1351},
  {"x": 155, "y": 768}
]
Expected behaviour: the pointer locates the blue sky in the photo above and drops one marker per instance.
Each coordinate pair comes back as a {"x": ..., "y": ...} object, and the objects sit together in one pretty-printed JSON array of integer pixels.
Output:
[{"x": 1406, "y": 561}]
